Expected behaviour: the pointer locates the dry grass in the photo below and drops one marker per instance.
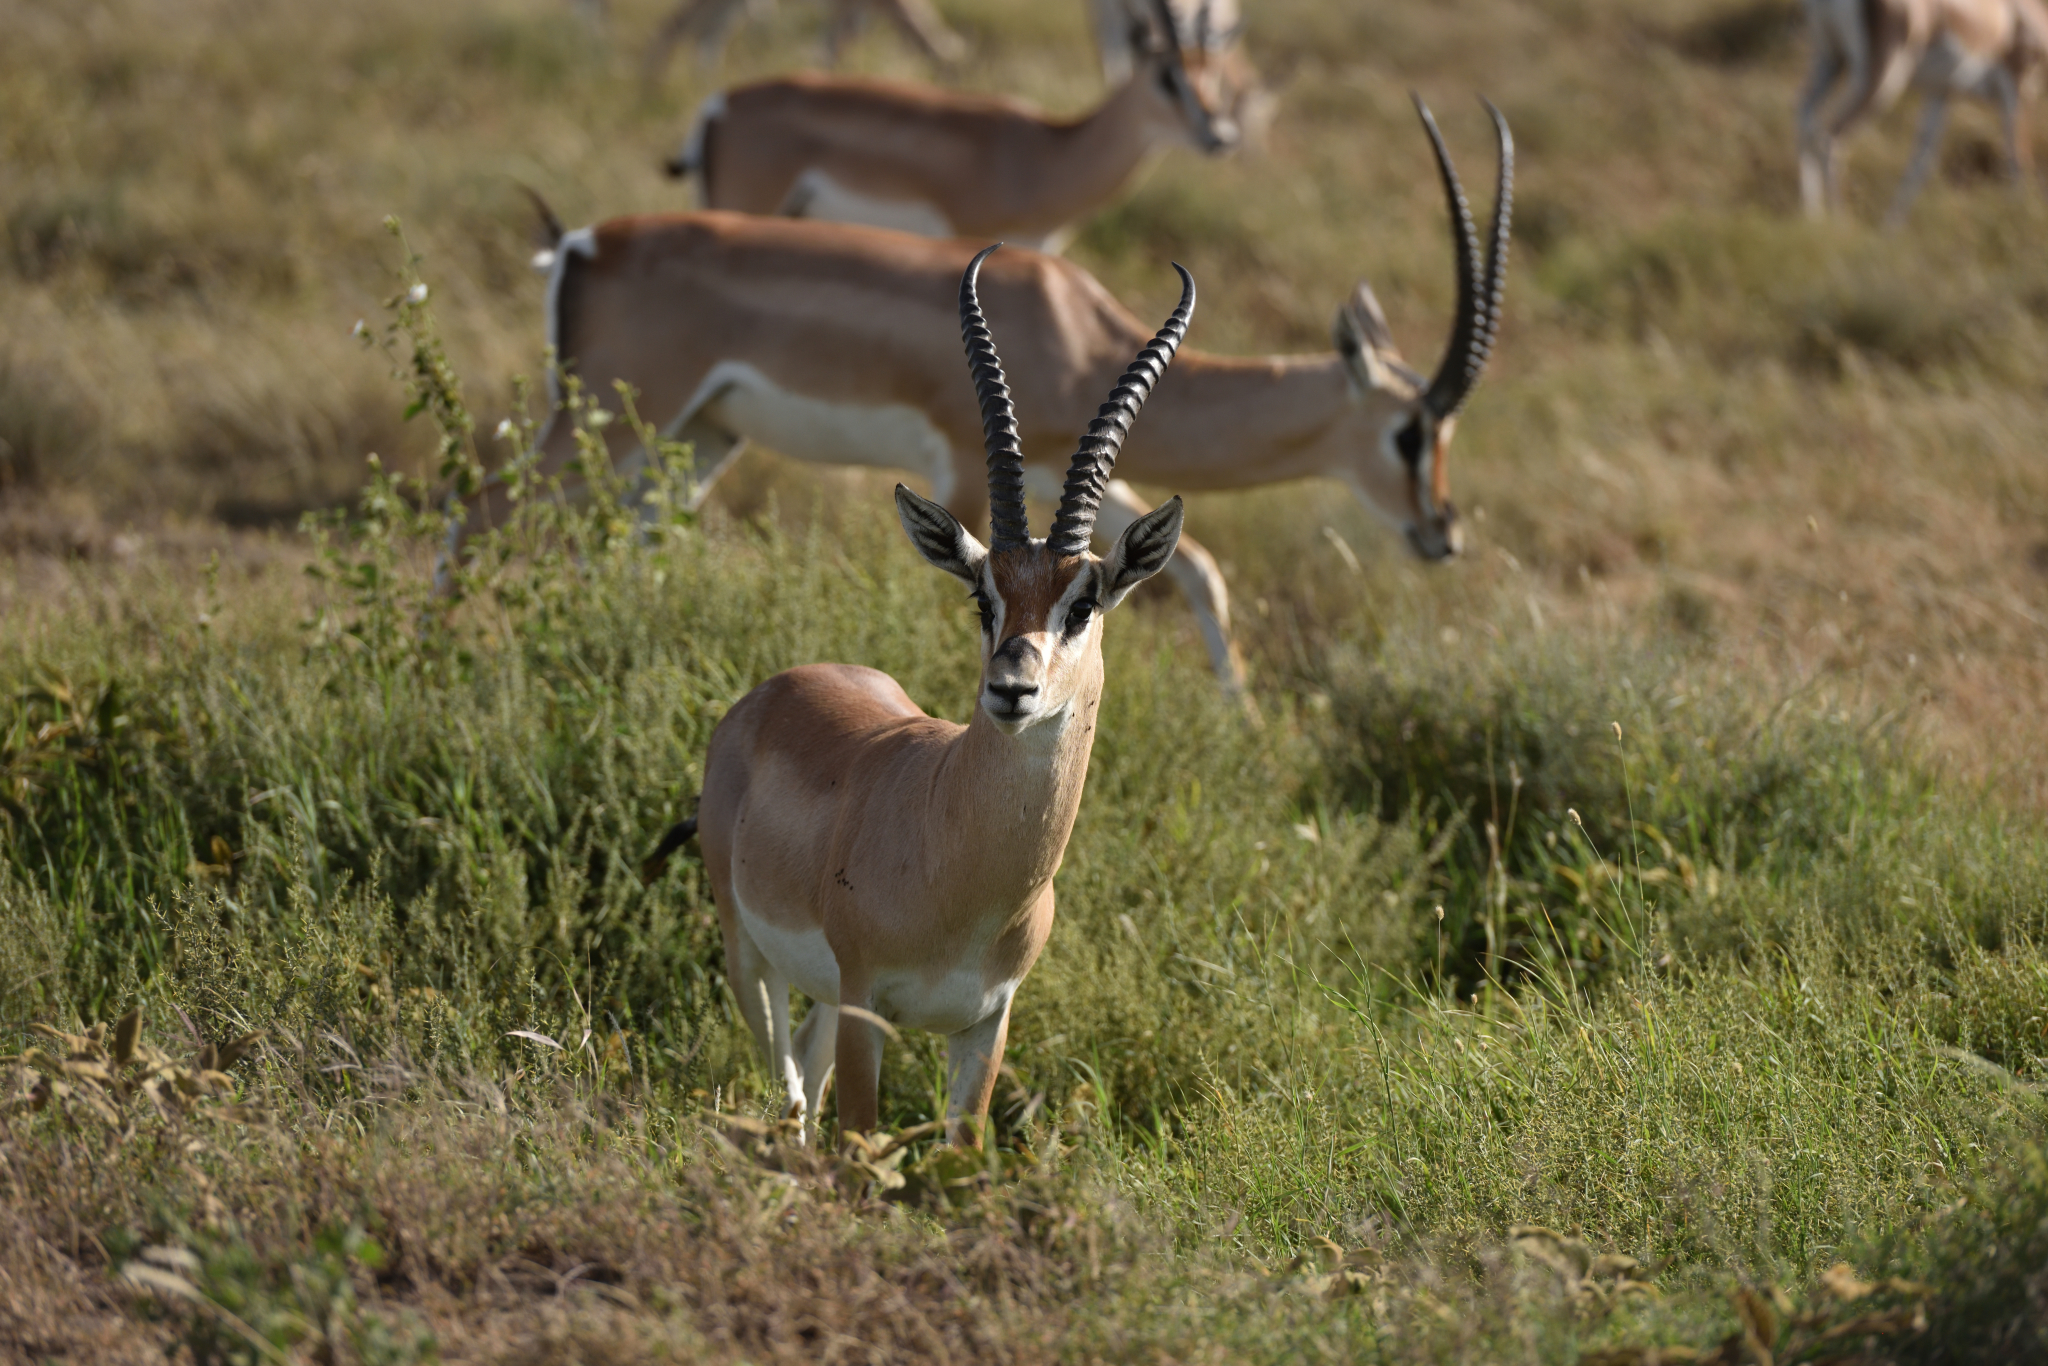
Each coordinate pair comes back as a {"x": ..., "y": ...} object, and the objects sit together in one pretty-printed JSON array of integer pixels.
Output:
[{"x": 1817, "y": 447}]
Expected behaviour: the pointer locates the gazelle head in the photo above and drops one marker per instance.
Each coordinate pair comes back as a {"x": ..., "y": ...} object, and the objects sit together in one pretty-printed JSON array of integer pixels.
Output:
[
  {"x": 1042, "y": 601},
  {"x": 1399, "y": 437},
  {"x": 1190, "y": 76}
]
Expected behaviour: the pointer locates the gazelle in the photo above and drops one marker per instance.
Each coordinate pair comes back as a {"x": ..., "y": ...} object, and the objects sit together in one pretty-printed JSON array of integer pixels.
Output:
[
  {"x": 1213, "y": 27},
  {"x": 824, "y": 341},
  {"x": 896, "y": 866},
  {"x": 1991, "y": 49},
  {"x": 708, "y": 22},
  {"x": 944, "y": 164}
]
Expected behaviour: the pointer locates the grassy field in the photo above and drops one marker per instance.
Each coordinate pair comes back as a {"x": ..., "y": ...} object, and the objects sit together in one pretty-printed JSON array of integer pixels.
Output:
[{"x": 1629, "y": 937}]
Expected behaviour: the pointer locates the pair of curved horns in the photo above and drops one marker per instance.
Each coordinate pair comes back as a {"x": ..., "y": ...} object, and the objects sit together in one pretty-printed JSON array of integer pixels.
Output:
[
  {"x": 1479, "y": 290},
  {"x": 1088, "y": 472}
]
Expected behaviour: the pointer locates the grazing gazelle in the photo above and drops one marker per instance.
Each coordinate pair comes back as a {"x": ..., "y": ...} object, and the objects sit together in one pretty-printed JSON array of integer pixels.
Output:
[
  {"x": 1991, "y": 49},
  {"x": 708, "y": 21},
  {"x": 944, "y": 164},
  {"x": 884, "y": 860},
  {"x": 1212, "y": 27},
  {"x": 823, "y": 341}
]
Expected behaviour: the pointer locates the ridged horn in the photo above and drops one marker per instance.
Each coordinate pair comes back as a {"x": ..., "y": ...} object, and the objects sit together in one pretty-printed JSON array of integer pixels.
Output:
[
  {"x": 1089, "y": 472},
  {"x": 1008, "y": 529},
  {"x": 1479, "y": 293}
]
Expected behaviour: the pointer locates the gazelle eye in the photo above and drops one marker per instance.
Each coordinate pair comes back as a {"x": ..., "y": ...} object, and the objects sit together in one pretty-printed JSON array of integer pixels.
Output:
[
  {"x": 1079, "y": 615},
  {"x": 1408, "y": 442},
  {"x": 988, "y": 612}
]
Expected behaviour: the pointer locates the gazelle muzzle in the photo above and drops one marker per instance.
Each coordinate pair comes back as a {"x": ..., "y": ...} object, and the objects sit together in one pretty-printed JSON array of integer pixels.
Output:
[{"x": 1012, "y": 686}]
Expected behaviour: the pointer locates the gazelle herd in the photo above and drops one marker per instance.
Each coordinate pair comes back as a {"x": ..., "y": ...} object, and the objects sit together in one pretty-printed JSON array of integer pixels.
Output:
[
  {"x": 896, "y": 868},
  {"x": 825, "y": 342}
]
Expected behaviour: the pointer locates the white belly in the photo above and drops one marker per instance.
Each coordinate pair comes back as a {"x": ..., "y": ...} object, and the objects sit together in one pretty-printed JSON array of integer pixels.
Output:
[
  {"x": 957, "y": 998},
  {"x": 891, "y": 436},
  {"x": 818, "y": 195},
  {"x": 954, "y": 1001}
]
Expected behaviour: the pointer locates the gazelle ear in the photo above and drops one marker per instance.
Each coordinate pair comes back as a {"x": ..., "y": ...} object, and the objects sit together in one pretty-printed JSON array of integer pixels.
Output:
[
  {"x": 1361, "y": 335},
  {"x": 1142, "y": 551},
  {"x": 939, "y": 537}
]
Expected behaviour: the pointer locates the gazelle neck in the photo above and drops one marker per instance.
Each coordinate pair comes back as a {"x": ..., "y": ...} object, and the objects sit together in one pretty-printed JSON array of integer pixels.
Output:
[
  {"x": 1219, "y": 422},
  {"x": 1101, "y": 150},
  {"x": 1014, "y": 797}
]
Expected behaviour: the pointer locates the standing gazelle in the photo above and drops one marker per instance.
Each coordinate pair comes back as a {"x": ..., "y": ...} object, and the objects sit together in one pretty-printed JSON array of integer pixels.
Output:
[
  {"x": 1991, "y": 49},
  {"x": 822, "y": 341},
  {"x": 944, "y": 164},
  {"x": 882, "y": 859}
]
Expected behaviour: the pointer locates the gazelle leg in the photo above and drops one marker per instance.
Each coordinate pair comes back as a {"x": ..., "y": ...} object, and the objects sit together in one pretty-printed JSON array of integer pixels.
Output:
[
  {"x": 815, "y": 1044},
  {"x": 1813, "y": 152},
  {"x": 762, "y": 995},
  {"x": 1931, "y": 123},
  {"x": 1192, "y": 568},
  {"x": 2018, "y": 155},
  {"x": 848, "y": 18},
  {"x": 712, "y": 451},
  {"x": 926, "y": 30},
  {"x": 1875, "y": 79},
  {"x": 797, "y": 203},
  {"x": 973, "y": 1057},
  {"x": 858, "y": 1065},
  {"x": 781, "y": 1055},
  {"x": 708, "y": 19}
]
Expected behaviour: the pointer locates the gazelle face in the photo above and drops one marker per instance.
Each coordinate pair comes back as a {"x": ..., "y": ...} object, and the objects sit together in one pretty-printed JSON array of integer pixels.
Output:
[
  {"x": 1394, "y": 447},
  {"x": 1187, "y": 57},
  {"x": 1041, "y": 632},
  {"x": 1395, "y": 463},
  {"x": 1196, "y": 97},
  {"x": 1412, "y": 447},
  {"x": 1041, "y": 614}
]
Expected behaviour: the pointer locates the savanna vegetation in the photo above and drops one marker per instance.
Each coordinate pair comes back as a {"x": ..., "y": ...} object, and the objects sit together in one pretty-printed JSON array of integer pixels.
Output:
[{"x": 1626, "y": 944}]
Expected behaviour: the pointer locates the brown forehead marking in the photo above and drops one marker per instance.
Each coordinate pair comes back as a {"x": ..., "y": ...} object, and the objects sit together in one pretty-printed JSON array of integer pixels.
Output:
[{"x": 1030, "y": 583}]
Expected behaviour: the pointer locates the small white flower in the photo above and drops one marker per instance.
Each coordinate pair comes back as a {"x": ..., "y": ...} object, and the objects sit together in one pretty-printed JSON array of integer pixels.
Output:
[
  {"x": 359, "y": 329},
  {"x": 417, "y": 294},
  {"x": 506, "y": 431}
]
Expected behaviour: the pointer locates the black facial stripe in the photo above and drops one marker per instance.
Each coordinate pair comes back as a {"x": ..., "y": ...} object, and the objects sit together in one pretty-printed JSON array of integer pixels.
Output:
[
  {"x": 1408, "y": 444},
  {"x": 984, "y": 601}
]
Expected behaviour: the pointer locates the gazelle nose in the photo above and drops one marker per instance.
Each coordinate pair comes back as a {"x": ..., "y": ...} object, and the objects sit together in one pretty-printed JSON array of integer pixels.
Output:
[{"x": 1013, "y": 693}]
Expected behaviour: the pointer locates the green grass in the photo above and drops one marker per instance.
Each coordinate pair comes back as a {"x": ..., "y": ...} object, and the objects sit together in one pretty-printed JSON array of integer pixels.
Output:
[
  {"x": 1723, "y": 982},
  {"x": 1669, "y": 875}
]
